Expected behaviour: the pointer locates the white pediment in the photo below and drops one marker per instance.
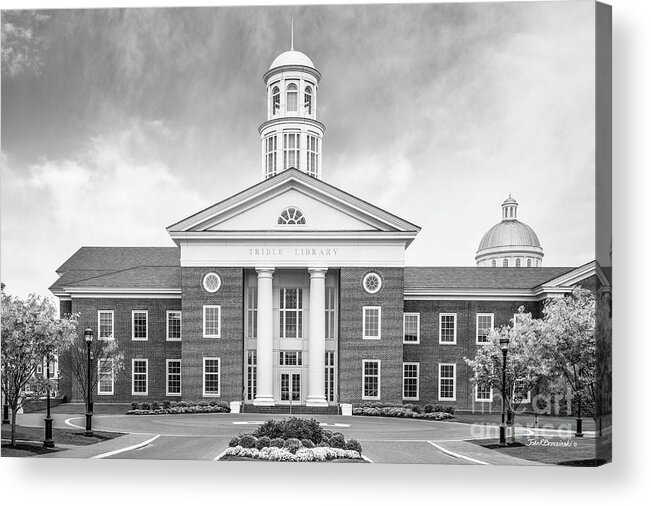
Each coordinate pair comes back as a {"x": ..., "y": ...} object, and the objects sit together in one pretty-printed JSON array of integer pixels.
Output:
[{"x": 264, "y": 215}]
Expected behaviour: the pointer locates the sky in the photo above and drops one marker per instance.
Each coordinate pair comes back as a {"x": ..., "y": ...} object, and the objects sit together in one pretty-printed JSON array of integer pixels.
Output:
[{"x": 138, "y": 118}]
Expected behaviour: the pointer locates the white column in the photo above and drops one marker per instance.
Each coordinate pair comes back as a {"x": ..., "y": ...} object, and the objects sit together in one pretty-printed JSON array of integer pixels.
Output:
[
  {"x": 264, "y": 394},
  {"x": 316, "y": 391}
]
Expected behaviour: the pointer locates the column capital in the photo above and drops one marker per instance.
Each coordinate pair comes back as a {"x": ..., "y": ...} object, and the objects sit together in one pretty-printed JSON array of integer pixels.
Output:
[
  {"x": 317, "y": 272},
  {"x": 265, "y": 272}
]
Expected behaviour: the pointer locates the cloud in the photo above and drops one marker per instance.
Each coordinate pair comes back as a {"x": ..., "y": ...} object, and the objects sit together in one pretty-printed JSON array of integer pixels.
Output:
[{"x": 114, "y": 193}]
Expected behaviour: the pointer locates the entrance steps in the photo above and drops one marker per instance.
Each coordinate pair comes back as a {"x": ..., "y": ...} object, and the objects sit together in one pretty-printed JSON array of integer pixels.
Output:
[{"x": 283, "y": 409}]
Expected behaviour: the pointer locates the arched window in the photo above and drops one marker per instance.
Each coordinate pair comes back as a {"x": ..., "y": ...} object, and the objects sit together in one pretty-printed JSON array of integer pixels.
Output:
[
  {"x": 291, "y": 216},
  {"x": 505, "y": 263},
  {"x": 292, "y": 98},
  {"x": 493, "y": 263},
  {"x": 517, "y": 262},
  {"x": 275, "y": 100},
  {"x": 308, "y": 100},
  {"x": 528, "y": 262}
]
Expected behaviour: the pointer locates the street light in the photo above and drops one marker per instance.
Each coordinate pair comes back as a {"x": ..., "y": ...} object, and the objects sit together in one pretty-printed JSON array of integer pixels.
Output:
[
  {"x": 88, "y": 336},
  {"x": 504, "y": 346},
  {"x": 49, "y": 442}
]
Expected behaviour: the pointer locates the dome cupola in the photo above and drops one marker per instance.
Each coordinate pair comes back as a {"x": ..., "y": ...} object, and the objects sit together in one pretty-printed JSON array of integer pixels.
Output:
[
  {"x": 292, "y": 137},
  {"x": 510, "y": 243}
]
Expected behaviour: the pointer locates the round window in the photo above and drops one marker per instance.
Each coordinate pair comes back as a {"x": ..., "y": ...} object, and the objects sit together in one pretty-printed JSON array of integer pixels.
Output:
[
  {"x": 212, "y": 282},
  {"x": 372, "y": 282}
]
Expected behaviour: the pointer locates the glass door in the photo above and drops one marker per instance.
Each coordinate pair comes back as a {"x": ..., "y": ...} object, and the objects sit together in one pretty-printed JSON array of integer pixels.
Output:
[{"x": 290, "y": 387}]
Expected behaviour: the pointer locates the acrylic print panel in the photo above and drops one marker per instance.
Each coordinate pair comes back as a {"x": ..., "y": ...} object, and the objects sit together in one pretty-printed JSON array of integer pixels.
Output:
[{"x": 308, "y": 233}]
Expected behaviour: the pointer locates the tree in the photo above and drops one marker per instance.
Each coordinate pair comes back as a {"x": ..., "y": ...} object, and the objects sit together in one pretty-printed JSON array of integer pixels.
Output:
[
  {"x": 30, "y": 333},
  {"x": 74, "y": 360},
  {"x": 569, "y": 346},
  {"x": 21, "y": 42},
  {"x": 524, "y": 369}
]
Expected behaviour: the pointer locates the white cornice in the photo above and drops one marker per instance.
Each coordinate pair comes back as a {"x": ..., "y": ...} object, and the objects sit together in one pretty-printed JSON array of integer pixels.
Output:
[{"x": 295, "y": 235}]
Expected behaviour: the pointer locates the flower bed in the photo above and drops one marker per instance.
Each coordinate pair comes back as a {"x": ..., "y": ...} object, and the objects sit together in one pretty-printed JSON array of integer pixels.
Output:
[
  {"x": 173, "y": 408},
  {"x": 293, "y": 440},
  {"x": 428, "y": 412}
]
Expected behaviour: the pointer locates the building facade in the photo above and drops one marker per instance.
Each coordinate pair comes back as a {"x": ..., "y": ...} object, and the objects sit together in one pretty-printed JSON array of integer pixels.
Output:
[{"x": 294, "y": 292}]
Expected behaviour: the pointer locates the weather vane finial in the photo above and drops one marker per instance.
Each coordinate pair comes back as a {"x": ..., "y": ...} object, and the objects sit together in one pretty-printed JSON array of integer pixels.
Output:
[{"x": 292, "y": 35}]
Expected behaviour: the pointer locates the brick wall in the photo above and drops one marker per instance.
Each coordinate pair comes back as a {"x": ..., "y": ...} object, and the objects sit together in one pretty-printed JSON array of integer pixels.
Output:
[
  {"x": 229, "y": 347},
  {"x": 156, "y": 349},
  {"x": 353, "y": 349},
  {"x": 429, "y": 353}
]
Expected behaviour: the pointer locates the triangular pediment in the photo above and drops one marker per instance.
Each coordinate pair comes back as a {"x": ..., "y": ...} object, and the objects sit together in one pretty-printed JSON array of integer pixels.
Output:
[{"x": 324, "y": 207}]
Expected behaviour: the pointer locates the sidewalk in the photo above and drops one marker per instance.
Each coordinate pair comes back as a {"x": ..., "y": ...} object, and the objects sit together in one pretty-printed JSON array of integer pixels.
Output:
[
  {"x": 93, "y": 451},
  {"x": 477, "y": 452}
]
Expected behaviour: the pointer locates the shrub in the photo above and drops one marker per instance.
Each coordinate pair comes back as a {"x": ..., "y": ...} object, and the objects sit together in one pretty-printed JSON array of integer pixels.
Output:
[
  {"x": 408, "y": 406},
  {"x": 145, "y": 406},
  {"x": 248, "y": 441},
  {"x": 212, "y": 403},
  {"x": 297, "y": 428},
  {"x": 203, "y": 404},
  {"x": 429, "y": 408},
  {"x": 449, "y": 409},
  {"x": 154, "y": 405},
  {"x": 263, "y": 442},
  {"x": 327, "y": 434},
  {"x": 224, "y": 404},
  {"x": 278, "y": 442},
  {"x": 338, "y": 441},
  {"x": 417, "y": 409},
  {"x": 181, "y": 404},
  {"x": 353, "y": 444},
  {"x": 307, "y": 443},
  {"x": 439, "y": 408},
  {"x": 292, "y": 444},
  {"x": 167, "y": 404},
  {"x": 134, "y": 405},
  {"x": 235, "y": 441}
]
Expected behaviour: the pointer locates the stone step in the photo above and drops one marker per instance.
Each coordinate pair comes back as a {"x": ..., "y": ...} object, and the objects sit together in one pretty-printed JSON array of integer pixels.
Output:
[{"x": 295, "y": 410}]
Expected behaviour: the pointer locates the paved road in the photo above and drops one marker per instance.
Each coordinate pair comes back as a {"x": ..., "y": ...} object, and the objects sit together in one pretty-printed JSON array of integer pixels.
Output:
[{"x": 206, "y": 436}]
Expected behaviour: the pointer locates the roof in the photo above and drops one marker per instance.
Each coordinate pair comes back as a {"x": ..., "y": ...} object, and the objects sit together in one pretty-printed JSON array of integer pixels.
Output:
[
  {"x": 509, "y": 233},
  {"x": 429, "y": 278},
  {"x": 121, "y": 267},
  {"x": 292, "y": 57}
]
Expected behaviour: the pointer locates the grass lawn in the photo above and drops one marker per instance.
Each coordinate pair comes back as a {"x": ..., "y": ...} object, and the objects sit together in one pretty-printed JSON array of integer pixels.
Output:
[
  {"x": 526, "y": 420},
  {"x": 573, "y": 452},
  {"x": 30, "y": 440},
  {"x": 98, "y": 409}
]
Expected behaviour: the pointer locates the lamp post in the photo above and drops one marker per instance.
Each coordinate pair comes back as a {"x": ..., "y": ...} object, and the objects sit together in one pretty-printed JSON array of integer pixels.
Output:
[
  {"x": 5, "y": 411},
  {"x": 49, "y": 442},
  {"x": 504, "y": 346},
  {"x": 88, "y": 336}
]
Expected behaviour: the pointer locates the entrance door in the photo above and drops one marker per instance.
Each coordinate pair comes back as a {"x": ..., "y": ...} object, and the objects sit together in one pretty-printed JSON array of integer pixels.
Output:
[{"x": 290, "y": 387}]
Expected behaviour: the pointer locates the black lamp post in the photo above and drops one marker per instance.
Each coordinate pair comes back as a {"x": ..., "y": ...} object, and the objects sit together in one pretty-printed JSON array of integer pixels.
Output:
[
  {"x": 88, "y": 336},
  {"x": 49, "y": 442},
  {"x": 5, "y": 411},
  {"x": 504, "y": 346}
]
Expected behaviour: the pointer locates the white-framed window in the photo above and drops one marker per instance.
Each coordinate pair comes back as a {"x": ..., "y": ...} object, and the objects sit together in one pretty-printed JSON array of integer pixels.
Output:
[
  {"x": 313, "y": 155},
  {"x": 211, "y": 282},
  {"x": 528, "y": 262},
  {"x": 211, "y": 376},
  {"x": 292, "y": 97},
  {"x": 275, "y": 100},
  {"x": 483, "y": 393},
  {"x": 307, "y": 106},
  {"x": 105, "y": 324},
  {"x": 372, "y": 282},
  {"x": 520, "y": 392},
  {"x": 411, "y": 328},
  {"x": 505, "y": 262},
  {"x": 371, "y": 379},
  {"x": 105, "y": 376},
  {"x": 331, "y": 312},
  {"x": 372, "y": 322},
  {"x": 291, "y": 216},
  {"x": 448, "y": 328},
  {"x": 139, "y": 325},
  {"x": 330, "y": 376},
  {"x": 271, "y": 155},
  {"x": 291, "y": 313},
  {"x": 251, "y": 370},
  {"x": 484, "y": 325},
  {"x": 410, "y": 380},
  {"x": 173, "y": 332},
  {"x": 39, "y": 369},
  {"x": 139, "y": 376},
  {"x": 447, "y": 382},
  {"x": 493, "y": 263},
  {"x": 291, "y": 147},
  {"x": 251, "y": 312},
  {"x": 212, "y": 321},
  {"x": 518, "y": 262},
  {"x": 291, "y": 358},
  {"x": 173, "y": 373}
]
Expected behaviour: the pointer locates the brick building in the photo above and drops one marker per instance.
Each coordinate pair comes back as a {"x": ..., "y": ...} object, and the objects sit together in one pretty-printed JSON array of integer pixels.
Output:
[{"x": 293, "y": 291}]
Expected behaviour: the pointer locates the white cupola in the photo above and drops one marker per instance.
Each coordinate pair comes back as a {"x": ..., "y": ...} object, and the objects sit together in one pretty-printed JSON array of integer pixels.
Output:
[{"x": 291, "y": 137}]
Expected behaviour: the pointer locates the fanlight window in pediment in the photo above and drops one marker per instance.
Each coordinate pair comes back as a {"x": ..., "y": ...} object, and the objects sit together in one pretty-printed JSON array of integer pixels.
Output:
[{"x": 291, "y": 216}]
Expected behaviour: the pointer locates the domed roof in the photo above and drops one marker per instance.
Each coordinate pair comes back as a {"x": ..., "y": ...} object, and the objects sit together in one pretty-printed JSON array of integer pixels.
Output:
[
  {"x": 509, "y": 200},
  {"x": 292, "y": 57},
  {"x": 509, "y": 233}
]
